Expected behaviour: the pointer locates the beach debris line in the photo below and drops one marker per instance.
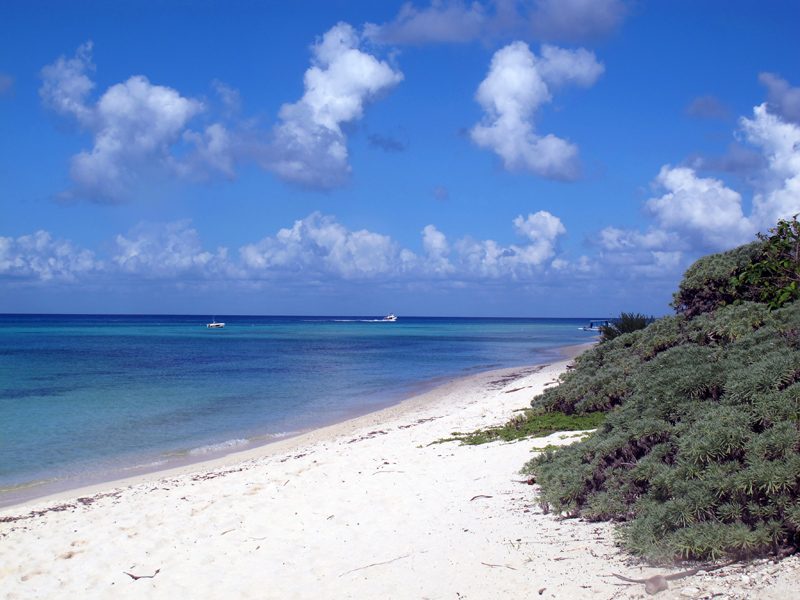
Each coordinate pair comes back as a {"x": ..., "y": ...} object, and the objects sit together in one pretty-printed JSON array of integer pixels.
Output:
[
  {"x": 84, "y": 501},
  {"x": 418, "y": 422},
  {"x": 369, "y": 436},
  {"x": 517, "y": 374}
]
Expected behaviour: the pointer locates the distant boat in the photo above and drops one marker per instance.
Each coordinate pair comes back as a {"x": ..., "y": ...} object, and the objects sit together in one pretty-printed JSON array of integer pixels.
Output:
[
  {"x": 214, "y": 324},
  {"x": 390, "y": 318},
  {"x": 595, "y": 325}
]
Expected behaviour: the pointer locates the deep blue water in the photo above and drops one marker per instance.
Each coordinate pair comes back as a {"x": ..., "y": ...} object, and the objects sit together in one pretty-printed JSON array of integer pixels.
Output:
[{"x": 98, "y": 394}]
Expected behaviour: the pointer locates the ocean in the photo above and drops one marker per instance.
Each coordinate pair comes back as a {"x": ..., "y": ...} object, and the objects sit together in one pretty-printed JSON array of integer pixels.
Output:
[{"x": 90, "y": 398}]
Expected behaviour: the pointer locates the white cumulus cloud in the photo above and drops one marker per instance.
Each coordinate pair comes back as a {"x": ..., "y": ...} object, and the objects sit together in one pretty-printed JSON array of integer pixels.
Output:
[
  {"x": 142, "y": 132},
  {"x": 167, "y": 250},
  {"x": 488, "y": 259},
  {"x": 709, "y": 215},
  {"x": 518, "y": 83},
  {"x": 625, "y": 253},
  {"x": 438, "y": 250},
  {"x": 543, "y": 231},
  {"x": 702, "y": 208},
  {"x": 135, "y": 126},
  {"x": 39, "y": 257},
  {"x": 615, "y": 239},
  {"x": 696, "y": 214},
  {"x": 779, "y": 142},
  {"x": 319, "y": 247},
  {"x": 309, "y": 146},
  {"x": 65, "y": 84}
]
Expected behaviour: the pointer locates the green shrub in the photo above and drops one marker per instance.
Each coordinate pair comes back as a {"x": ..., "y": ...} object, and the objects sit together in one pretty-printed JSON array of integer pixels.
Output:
[
  {"x": 700, "y": 457},
  {"x": 774, "y": 278},
  {"x": 707, "y": 283},
  {"x": 699, "y": 454},
  {"x": 766, "y": 271}
]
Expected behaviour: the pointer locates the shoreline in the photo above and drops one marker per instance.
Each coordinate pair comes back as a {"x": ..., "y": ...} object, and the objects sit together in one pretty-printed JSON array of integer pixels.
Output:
[
  {"x": 366, "y": 508},
  {"x": 91, "y": 483}
]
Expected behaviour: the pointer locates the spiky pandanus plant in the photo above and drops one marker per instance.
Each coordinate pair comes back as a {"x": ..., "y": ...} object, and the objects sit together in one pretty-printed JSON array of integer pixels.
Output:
[{"x": 624, "y": 323}]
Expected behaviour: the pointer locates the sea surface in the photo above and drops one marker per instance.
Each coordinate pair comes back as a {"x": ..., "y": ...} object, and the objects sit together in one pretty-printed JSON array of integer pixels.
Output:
[{"x": 89, "y": 398}]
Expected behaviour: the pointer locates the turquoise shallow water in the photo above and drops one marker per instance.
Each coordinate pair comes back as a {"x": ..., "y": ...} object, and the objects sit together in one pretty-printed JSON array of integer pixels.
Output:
[{"x": 93, "y": 396}]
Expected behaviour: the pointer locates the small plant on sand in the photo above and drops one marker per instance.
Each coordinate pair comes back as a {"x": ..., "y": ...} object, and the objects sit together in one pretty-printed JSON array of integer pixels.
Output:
[{"x": 530, "y": 424}]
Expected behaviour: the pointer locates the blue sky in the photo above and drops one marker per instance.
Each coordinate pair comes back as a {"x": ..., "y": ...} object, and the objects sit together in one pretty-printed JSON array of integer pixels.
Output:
[{"x": 534, "y": 158}]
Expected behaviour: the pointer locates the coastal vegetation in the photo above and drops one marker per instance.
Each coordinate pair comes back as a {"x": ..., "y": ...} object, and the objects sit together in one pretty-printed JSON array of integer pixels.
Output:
[
  {"x": 624, "y": 323},
  {"x": 698, "y": 452}
]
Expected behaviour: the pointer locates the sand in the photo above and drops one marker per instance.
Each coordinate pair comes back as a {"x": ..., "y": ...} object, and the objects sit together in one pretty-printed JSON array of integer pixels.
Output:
[{"x": 369, "y": 508}]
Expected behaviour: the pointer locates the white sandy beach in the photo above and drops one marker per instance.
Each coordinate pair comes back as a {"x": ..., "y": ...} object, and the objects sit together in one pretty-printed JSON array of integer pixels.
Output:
[{"x": 363, "y": 509}]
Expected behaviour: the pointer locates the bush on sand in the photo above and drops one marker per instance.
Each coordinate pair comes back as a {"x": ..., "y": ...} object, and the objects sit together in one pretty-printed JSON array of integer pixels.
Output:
[{"x": 699, "y": 454}]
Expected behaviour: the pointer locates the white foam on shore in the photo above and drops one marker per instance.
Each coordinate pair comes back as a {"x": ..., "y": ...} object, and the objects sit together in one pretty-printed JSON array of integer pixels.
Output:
[
  {"x": 218, "y": 446},
  {"x": 238, "y": 442},
  {"x": 149, "y": 465}
]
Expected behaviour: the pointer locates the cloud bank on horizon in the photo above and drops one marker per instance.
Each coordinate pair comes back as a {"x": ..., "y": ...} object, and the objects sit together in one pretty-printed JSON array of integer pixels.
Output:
[
  {"x": 314, "y": 247},
  {"x": 145, "y": 136}
]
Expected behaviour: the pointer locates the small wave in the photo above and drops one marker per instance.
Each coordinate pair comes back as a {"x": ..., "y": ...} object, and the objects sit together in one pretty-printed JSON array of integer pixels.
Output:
[
  {"x": 25, "y": 485},
  {"x": 282, "y": 434},
  {"x": 219, "y": 446},
  {"x": 150, "y": 465}
]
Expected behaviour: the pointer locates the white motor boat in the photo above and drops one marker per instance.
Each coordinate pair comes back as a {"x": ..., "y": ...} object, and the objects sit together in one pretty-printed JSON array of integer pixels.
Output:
[
  {"x": 214, "y": 324},
  {"x": 596, "y": 326},
  {"x": 390, "y": 318}
]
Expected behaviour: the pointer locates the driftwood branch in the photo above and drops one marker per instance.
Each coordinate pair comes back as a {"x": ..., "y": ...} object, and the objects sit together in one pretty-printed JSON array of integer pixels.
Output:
[
  {"x": 503, "y": 566},
  {"x": 375, "y": 564},
  {"x": 658, "y": 583},
  {"x": 135, "y": 577}
]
